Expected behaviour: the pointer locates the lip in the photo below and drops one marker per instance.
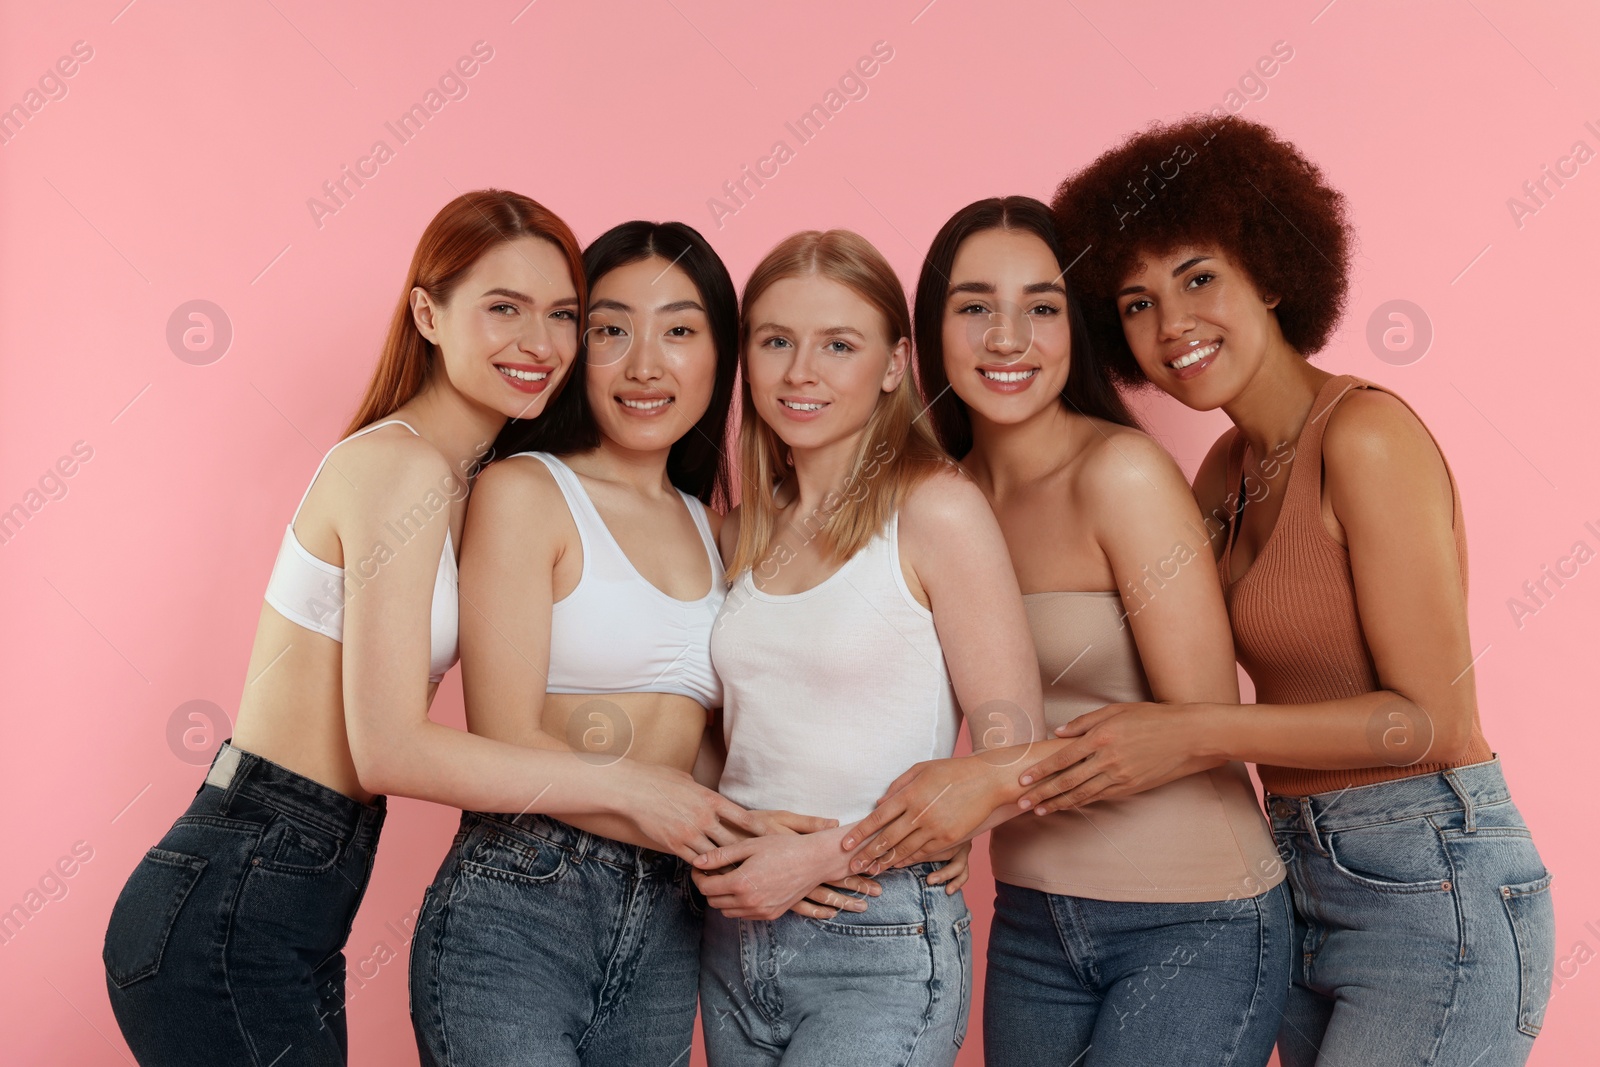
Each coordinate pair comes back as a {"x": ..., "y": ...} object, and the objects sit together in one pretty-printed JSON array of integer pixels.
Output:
[
  {"x": 1018, "y": 386},
  {"x": 532, "y": 387},
  {"x": 1194, "y": 369},
  {"x": 802, "y": 416},
  {"x": 657, "y": 411}
]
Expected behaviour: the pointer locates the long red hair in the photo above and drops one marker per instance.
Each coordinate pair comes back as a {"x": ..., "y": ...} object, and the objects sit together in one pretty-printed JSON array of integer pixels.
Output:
[{"x": 466, "y": 228}]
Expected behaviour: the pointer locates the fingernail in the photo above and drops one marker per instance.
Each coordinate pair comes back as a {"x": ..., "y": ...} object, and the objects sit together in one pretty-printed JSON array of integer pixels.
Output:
[
  {"x": 1025, "y": 802},
  {"x": 1027, "y": 779}
]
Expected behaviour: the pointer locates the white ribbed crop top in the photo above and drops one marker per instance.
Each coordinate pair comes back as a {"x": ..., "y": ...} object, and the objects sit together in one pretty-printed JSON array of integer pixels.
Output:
[
  {"x": 830, "y": 694},
  {"x": 616, "y": 632},
  {"x": 310, "y": 592}
]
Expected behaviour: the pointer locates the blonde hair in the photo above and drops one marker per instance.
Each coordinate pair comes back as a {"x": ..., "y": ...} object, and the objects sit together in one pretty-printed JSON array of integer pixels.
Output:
[{"x": 897, "y": 449}]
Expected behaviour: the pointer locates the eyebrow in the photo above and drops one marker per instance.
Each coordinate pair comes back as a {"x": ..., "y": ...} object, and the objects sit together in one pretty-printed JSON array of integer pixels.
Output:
[
  {"x": 831, "y": 331},
  {"x": 526, "y": 299},
  {"x": 986, "y": 289},
  {"x": 617, "y": 305},
  {"x": 1179, "y": 269}
]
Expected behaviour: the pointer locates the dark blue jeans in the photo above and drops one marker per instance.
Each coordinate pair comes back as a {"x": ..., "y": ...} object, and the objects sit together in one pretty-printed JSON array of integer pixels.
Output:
[
  {"x": 541, "y": 944},
  {"x": 226, "y": 944},
  {"x": 1097, "y": 983}
]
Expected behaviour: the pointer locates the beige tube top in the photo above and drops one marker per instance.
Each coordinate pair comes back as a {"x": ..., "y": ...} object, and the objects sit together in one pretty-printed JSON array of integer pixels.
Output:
[{"x": 1200, "y": 838}]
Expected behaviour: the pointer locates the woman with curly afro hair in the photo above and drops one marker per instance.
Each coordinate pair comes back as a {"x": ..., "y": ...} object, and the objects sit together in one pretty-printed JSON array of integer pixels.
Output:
[{"x": 1216, "y": 260}]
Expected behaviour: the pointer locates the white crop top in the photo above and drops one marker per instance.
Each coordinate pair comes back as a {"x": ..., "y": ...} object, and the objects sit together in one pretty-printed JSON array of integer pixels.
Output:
[
  {"x": 830, "y": 694},
  {"x": 616, "y": 632},
  {"x": 310, "y": 592}
]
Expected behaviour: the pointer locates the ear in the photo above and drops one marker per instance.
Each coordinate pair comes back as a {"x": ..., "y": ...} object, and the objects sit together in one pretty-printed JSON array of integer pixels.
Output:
[
  {"x": 1272, "y": 301},
  {"x": 899, "y": 361},
  {"x": 424, "y": 312}
]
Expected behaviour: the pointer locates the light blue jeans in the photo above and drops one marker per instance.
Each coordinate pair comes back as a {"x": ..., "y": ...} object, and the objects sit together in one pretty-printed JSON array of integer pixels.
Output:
[
  {"x": 1097, "y": 983},
  {"x": 1423, "y": 921},
  {"x": 887, "y": 987},
  {"x": 545, "y": 946}
]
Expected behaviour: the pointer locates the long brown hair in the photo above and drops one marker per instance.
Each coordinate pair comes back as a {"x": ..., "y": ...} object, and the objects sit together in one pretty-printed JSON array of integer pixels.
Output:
[
  {"x": 463, "y": 230},
  {"x": 897, "y": 449}
]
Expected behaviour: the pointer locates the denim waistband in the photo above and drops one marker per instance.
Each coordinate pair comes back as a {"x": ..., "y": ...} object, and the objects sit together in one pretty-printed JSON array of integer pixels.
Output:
[
  {"x": 238, "y": 773},
  {"x": 580, "y": 844},
  {"x": 1463, "y": 789}
]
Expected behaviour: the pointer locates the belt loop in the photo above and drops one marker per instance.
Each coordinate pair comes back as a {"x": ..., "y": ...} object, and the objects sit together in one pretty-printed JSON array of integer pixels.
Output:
[
  {"x": 1308, "y": 820},
  {"x": 1468, "y": 809}
]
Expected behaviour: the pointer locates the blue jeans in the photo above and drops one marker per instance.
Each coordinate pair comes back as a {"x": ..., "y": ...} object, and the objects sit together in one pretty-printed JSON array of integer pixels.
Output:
[
  {"x": 541, "y": 944},
  {"x": 1094, "y": 983},
  {"x": 1423, "y": 920},
  {"x": 226, "y": 943},
  {"x": 890, "y": 986}
]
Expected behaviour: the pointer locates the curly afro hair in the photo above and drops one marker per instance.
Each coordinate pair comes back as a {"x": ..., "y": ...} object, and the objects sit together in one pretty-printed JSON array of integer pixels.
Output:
[{"x": 1220, "y": 181}]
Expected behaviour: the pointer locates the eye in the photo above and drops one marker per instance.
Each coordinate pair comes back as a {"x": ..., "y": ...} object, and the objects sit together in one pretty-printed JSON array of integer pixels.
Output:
[
  {"x": 512, "y": 308},
  {"x": 1135, "y": 306},
  {"x": 1044, "y": 309},
  {"x": 1203, "y": 278},
  {"x": 775, "y": 342},
  {"x": 972, "y": 309},
  {"x": 565, "y": 313},
  {"x": 839, "y": 348},
  {"x": 680, "y": 331},
  {"x": 613, "y": 330}
]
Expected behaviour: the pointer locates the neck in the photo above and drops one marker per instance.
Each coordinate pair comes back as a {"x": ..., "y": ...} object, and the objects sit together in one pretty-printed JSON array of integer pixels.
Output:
[
  {"x": 1007, "y": 455},
  {"x": 1274, "y": 405},
  {"x": 459, "y": 428},
  {"x": 820, "y": 471},
  {"x": 643, "y": 470}
]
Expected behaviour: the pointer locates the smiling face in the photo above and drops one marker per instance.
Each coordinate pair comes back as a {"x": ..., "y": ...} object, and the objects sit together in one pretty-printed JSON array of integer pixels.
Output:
[
  {"x": 1006, "y": 339},
  {"x": 651, "y": 362},
  {"x": 817, "y": 358},
  {"x": 1197, "y": 324},
  {"x": 509, "y": 330}
]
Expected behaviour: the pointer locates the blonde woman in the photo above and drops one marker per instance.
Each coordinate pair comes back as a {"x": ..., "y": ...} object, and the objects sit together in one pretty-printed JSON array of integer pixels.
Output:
[{"x": 872, "y": 603}]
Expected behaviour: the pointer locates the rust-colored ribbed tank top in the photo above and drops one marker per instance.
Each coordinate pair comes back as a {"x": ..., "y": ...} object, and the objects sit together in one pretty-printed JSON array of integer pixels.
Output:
[{"x": 1295, "y": 624}]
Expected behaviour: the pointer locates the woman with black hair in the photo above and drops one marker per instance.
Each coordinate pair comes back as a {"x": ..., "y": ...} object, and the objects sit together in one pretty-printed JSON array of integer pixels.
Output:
[
  {"x": 590, "y": 580},
  {"x": 1151, "y": 928}
]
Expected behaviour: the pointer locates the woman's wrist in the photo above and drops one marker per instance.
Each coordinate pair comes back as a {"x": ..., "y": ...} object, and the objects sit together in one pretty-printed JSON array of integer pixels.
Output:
[{"x": 1206, "y": 725}]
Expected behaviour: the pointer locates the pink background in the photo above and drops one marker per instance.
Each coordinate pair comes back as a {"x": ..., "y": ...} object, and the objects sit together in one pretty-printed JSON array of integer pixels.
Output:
[{"x": 179, "y": 164}]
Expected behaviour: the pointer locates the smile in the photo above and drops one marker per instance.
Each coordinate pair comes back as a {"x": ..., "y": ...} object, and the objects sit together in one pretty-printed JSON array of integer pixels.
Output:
[
  {"x": 1190, "y": 358},
  {"x": 1008, "y": 375},
  {"x": 524, "y": 375}
]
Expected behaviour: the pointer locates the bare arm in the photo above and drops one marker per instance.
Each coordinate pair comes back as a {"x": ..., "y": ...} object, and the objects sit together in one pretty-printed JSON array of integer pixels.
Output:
[
  {"x": 1386, "y": 484},
  {"x": 397, "y": 748}
]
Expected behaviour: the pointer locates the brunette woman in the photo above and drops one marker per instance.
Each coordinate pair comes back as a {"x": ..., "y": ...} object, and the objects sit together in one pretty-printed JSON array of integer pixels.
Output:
[
  {"x": 1152, "y": 928},
  {"x": 225, "y": 946},
  {"x": 872, "y": 604},
  {"x": 1424, "y": 931}
]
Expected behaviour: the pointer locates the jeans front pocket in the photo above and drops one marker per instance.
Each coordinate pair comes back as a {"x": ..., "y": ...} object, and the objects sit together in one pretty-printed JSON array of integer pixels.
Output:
[
  {"x": 294, "y": 846},
  {"x": 508, "y": 856},
  {"x": 145, "y": 913},
  {"x": 1398, "y": 857},
  {"x": 1532, "y": 916},
  {"x": 962, "y": 930}
]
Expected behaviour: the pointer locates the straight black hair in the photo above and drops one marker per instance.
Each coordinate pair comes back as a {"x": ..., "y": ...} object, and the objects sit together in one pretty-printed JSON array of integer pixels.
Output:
[
  {"x": 1089, "y": 389},
  {"x": 698, "y": 462}
]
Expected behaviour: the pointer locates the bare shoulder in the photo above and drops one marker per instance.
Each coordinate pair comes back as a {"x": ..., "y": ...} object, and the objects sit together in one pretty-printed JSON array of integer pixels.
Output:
[
  {"x": 1371, "y": 432},
  {"x": 392, "y": 465},
  {"x": 943, "y": 504},
  {"x": 516, "y": 481},
  {"x": 1126, "y": 470}
]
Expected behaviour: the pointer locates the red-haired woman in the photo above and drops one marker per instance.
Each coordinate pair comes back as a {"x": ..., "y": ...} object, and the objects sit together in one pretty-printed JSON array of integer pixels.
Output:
[
  {"x": 225, "y": 945},
  {"x": 1218, "y": 260}
]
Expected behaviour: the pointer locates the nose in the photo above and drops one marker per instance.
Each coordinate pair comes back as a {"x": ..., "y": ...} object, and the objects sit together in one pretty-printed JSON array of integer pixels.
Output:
[
  {"x": 1006, "y": 334},
  {"x": 1175, "y": 322},
  {"x": 536, "y": 339},
  {"x": 802, "y": 368},
  {"x": 643, "y": 359}
]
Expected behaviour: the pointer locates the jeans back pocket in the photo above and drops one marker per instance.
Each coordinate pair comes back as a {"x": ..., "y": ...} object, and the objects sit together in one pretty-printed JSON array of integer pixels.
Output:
[
  {"x": 145, "y": 913},
  {"x": 1533, "y": 925}
]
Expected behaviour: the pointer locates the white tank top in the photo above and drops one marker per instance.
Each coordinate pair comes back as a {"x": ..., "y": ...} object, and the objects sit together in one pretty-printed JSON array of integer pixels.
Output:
[
  {"x": 310, "y": 592},
  {"x": 618, "y": 633},
  {"x": 830, "y": 694}
]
